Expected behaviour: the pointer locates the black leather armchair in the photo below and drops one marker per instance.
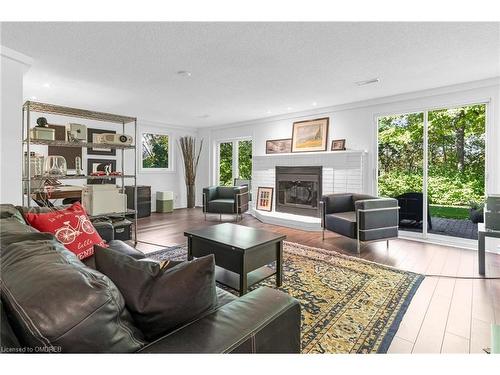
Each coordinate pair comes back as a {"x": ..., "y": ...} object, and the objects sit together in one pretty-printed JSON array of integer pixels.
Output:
[
  {"x": 359, "y": 216},
  {"x": 220, "y": 200}
]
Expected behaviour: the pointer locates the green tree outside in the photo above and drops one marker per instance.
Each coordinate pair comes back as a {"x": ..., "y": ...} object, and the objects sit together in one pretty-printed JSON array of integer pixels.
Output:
[
  {"x": 154, "y": 151},
  {"x": 456, "y": 156}
]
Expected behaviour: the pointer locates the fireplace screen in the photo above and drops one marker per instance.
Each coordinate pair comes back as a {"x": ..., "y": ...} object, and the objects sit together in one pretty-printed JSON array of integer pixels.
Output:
[
  {"x": 298, "y": 193},
  {"x": 298, "y": 190}
]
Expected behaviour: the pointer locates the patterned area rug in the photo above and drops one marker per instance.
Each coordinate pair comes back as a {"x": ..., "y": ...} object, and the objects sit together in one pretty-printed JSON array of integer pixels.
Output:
[{"x": 349, "y": 305}]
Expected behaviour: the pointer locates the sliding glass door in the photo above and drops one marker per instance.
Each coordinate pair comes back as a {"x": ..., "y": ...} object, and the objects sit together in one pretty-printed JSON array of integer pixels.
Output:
[
  {"x": 400, "y": 165},
  {"x": 234, "y": 161},
  {"x": 434, "y": 163}
]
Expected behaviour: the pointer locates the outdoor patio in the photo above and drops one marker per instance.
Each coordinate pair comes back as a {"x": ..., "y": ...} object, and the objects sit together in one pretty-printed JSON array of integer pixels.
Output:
[{"x": 447, "y": 227}]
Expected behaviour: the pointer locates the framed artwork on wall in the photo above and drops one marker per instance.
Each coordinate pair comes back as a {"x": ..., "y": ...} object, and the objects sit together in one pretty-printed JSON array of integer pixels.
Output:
[
  {"x": 265, "y": 198},
  {"x": 91, "y": 137},
  {"x": 310, "y": 135},
  {"x": 278, "y": 146},
  {"x": 338, "y": 145}
]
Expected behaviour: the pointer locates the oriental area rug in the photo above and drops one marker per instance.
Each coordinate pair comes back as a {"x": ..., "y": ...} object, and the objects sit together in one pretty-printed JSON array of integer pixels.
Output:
[{"x": 349, "y": 305}]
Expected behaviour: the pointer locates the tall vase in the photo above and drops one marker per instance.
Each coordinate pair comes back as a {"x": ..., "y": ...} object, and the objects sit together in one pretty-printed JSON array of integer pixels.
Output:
[{"x": 191, "y": 195}]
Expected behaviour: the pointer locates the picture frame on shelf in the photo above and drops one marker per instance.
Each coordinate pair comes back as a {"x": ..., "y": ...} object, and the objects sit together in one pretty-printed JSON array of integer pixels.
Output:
[
  {"x": 91, "y": 137},
  {"x": 95, "y": 165},
  {"x": 265, "y": 199},
  {"x": 310, "y": 135},
  {"x": 279, "y": 146},
  {"x": 69, "y": 153},
  {"x": 338, "y": 145}
]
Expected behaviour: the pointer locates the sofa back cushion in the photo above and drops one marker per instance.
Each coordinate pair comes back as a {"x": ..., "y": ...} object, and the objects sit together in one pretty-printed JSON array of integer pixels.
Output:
[
  {"x": 338, "y": 203},
  {"x": 59, "y": 304},
  {"x": 161, "y": 298},
  {"x": 225, "y": 192}
]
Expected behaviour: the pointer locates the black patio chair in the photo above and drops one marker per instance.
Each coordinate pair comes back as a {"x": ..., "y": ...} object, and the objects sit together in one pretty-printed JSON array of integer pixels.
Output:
[{"x": 411, "y": 208}]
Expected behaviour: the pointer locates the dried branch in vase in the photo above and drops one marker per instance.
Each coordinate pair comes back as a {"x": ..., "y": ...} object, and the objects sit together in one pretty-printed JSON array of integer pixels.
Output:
[{"x": 191, "y": 159}]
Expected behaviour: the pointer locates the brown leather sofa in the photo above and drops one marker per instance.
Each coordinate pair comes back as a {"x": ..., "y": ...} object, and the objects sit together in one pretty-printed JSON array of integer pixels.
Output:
[{"x": 53, "y": 302}]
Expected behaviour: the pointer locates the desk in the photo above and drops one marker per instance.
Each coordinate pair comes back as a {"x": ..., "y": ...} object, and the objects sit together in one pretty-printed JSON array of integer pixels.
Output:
[
  {"x": 482, "y": 233},
  {"x": 42, "y": 197}
]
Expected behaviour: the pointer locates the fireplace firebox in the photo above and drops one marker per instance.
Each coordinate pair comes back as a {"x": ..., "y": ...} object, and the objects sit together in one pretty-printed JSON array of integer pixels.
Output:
[{"x": 298, "y": 190}]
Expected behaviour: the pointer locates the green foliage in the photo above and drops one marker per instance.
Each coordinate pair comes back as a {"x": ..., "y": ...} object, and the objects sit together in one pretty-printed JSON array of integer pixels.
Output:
[
  {"x": 456, "y": 155},
  {"x": 448, "y": 212},
  {"x": 245, "y": 159},
  {"x": 154, "y": 151},
  {"x": 226, "y": 162}
]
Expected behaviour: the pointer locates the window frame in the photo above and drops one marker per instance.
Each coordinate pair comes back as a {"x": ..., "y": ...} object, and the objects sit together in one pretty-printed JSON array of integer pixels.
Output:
[{"x": 171, "y": 164}]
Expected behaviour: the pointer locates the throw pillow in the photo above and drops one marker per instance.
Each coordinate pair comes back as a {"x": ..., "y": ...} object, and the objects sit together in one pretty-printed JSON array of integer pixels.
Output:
[
  {"x": 71, "y": 227},
  {"x": 160, "y": 298}
]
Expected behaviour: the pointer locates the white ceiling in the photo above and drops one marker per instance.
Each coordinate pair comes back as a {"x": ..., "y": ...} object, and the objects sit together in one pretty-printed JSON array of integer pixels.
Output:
[{"x": 244, "y": 71}]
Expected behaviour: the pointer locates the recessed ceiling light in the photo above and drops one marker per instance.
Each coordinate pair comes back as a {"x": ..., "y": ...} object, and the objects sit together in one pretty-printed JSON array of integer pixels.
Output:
[
  {"x": 46, "y": 84},
  {"x": 368, "y": 82},
  {"x": 314, "y": 104},
  {"x": 184, "y": 73},
  {"x": 288, "y": 108}
]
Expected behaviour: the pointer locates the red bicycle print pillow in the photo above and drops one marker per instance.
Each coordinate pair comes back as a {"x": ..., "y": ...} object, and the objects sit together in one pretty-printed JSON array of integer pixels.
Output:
[{"x": 71, "y": 227}]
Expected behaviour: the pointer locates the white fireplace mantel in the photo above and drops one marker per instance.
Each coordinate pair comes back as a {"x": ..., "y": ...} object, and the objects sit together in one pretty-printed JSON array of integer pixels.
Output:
[
  {"x": 327, "y": 159},
  {"x": 343, "y": 171}
]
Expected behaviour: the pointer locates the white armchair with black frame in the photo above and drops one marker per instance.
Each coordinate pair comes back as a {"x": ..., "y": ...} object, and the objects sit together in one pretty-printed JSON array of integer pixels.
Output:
[
  {"x": 362, "y": 217},
  {"x": 232, "y": 200}
]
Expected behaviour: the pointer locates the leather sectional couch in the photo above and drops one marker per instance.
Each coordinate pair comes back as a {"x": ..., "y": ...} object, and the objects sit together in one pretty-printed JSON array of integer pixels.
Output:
[{"x": 53, "y": 302}]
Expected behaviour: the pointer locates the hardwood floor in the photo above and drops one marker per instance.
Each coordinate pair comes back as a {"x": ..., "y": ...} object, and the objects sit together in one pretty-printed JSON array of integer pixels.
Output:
[{"x": 446, "y": 315}]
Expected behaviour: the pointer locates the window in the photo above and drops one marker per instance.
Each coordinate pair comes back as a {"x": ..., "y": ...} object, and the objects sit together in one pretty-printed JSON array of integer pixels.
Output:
[
  {"x": 234, "y": 161},
  {"x": 155, "y": 151}
]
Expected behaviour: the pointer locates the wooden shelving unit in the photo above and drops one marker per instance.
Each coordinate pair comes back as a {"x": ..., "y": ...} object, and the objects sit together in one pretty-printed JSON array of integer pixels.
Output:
[{"x": 117, "y": 120}]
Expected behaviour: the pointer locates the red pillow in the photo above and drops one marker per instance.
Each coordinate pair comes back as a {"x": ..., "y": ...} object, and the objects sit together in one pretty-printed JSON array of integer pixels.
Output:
[{"x": 71, "y": 227}]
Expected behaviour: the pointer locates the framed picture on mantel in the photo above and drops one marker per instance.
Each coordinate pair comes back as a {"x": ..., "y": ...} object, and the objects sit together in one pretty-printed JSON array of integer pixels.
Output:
[
  {"x": 310, "y": 135},
  {"x": 278, "y": 146},
  {"x": 338, "y": 145}
]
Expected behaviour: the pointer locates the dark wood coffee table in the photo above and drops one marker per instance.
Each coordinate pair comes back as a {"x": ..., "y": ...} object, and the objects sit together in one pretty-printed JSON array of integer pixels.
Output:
[{"x": 241, "y": 253}]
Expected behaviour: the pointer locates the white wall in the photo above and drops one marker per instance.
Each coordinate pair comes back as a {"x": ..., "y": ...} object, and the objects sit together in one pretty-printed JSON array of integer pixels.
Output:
[
  {"x": 13, "y": 66},
  {"x": 356, "y": 123}
]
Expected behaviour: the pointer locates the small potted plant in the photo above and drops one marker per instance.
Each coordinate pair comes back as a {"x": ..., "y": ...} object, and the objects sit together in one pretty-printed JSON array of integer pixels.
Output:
[{"x": 476, "y": 212}]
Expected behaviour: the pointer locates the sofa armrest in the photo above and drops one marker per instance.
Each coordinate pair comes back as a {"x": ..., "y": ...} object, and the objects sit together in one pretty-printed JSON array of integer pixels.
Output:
[
  {"x": 378, "y": 213},
  {"x": 375, "y": 203},
  {"x": 209, "y": 194},
  {"x": 262, "y": 321},
  {"x": 241, "y": 198}
]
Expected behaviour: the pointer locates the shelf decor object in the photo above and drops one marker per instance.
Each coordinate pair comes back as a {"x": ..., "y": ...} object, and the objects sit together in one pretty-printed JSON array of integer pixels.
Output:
[
  {"x": 91, "y": 134},
  {"x": 310, "y": 135},
  {"x": 31, "y": 185}
]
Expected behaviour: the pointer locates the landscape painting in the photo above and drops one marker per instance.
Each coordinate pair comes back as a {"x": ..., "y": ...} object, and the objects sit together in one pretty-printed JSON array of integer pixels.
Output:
[
  {"x": 278, "y": 146},
  {"x": 310, "y": 135}
]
